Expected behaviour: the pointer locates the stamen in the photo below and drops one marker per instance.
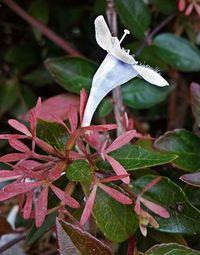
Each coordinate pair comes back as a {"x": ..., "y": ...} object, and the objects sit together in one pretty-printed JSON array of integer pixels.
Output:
[{"x": 126, "y": 32}]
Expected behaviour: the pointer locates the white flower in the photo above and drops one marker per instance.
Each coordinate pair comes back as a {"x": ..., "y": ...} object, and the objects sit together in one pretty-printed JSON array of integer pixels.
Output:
[{"x": 117, "y": 68}]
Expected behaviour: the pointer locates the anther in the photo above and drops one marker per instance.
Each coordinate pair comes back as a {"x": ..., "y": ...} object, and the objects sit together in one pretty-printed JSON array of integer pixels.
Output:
[{"x": 126, "y": 32}]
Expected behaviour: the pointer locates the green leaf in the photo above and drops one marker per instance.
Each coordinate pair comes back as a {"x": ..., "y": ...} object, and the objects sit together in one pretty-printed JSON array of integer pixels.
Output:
[
  {"x": 38, "y": 77},
  {"x": 117, "y": 222},
  {"x": 178, "y": 52},
  {"x": 8, "y": 95},
  {"x": 139, "y": 94},
  {"x": 165, "y": 6},
  {"x": 195, "y": 101},
  {"x": 135, "y": 15},
  {"x": 37, "y": 233},
  {"x": 172, "y": 249},
  {"x": 105, "y": 107},
  {"x": 134, "y": 157},
  {"x": 73, "y": 240},
  {"x": 72, "y": 73},
  {"x": 39, "y": 9},
  {"x": 79, "y": 171},
  {"x": 23, "y": 55},
  {"x": 184, "y": 144},
  {"x": 52, "y": 133},
  {"x": 184, "y": 218}
]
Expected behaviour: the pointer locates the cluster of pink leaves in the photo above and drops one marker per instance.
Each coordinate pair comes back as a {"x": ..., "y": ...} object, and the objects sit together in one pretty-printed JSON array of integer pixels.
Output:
[
  {"x": 33, "y": 174},
  {"x": 187, "y": 6}
]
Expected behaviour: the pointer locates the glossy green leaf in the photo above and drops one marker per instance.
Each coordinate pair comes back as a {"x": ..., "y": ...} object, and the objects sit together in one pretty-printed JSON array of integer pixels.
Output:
[
  {"x": 171, "y": 249},
  {"x": 117, "y": 222},
  {"x": 184, "y": 218},
  {"x": 73, "y": 240},
  {"x": 8, "y": 95},
  {"x": 193, "y": 195},
  {"x": 134, "y": 157},
  {"x": 52, "y": 133},
  {"x": 72, "y": 73},
  {"x": 184, "y": 144},
  {"x": 195, "y": 101},
  {"x": 178, "y": 52},
  {"x": 79, "y": 171},
  {"x": 135, "y": 16},
  {"x": 165, "y": 6},
  {"x": 39, "y": 9},
  {"x": 139, "y": 94},
  {"x": 37, "y": 233}
]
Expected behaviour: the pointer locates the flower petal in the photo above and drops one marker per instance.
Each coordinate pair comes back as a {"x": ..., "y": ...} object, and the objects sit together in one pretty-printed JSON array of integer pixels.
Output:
[{"x": 150, "y": 75}]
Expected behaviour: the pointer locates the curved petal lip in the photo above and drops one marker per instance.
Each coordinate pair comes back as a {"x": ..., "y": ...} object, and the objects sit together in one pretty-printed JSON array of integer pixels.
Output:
[{"x": 150, "y": 75}]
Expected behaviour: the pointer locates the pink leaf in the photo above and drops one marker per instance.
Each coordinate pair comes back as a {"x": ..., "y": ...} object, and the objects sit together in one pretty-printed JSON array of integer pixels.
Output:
[
  {"x": 114, "y": 178},
  {"x": 12, "y": 157},
  {"x": 73, "y": 118},
  {"x": 56, "y": 171},
  {"x": 18, "y": 145},
  {"x": 100, "y": 128},
  {"x": 28, "y": 206},
  {"x": 189, "y": 9},
  {"x": 34, "y": 115},
  {"x": 122, "y": 140},
  {"x": 83, "y": 101},
  {"x": 28, "y": 164},
  {"x": 181, "y": 5},
  {"x": 59, "y": 104},
  {"x": 65, "y": 197},
  {"x": 157, "y": 209},
  {"x": 151, "y": 184},
  {"x": 88, "y": 206},
  {"x": 19, "y": 126},
  {"x": 21, "y": 187},
  {"x": 118, "y": 168},
  {"x": 45, "y": 146},
  {"x": 197, "y": 8},
  {"x": 137, "y": 205},
  {"x": 41, "y": 207},
  {"x": 7, "y": 175},
  {"x": 12, "y": 136},
  {"x": 75, "y": 155},
  {"x": 118, "y": 196}
]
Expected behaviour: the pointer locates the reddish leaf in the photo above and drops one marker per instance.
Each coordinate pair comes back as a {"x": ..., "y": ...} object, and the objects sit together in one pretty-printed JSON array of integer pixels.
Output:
[
  {"x": 60, "y": 105},
  {"x": 73, "y": 118},
  {"x": 83, "y": 101},
  {"x": 56, "y": 171},
  {"x": 114, "y": 178},
  {"x": 28, "y": 206},
  {"x": 73, "y": 240},
  {"x": 28, "y": 164},
  {"x": 118, "y": 196},
  {"x": 45, "y": 146},
  {"x": 12, "y": 136},
  {"x": 100, "y": 128},
  {"x": 34, "y": 115},
  {"x": 41, "y": 207},
  {"x": 195, "y": 101},
  {"x": 21, "y": 187},
  {"x": 7, "y": 175},
  {"x": 5, "y": 227},
  {"x": 191, "y": 179},
  {"x": 118, "y": 168},
  {"x": 122, "y": 140},
  {"x": 151, "y": 184},
  {"x": 65, "y": 197},
  {"x": 157, "y": 209},
  {"x": 12, "y": 157},
  {"x": 88, "y": 206},
  {"x": 131, "y": 245},
  {"x": 18, "y": 145},
  {"x": 19, "y": 126}
]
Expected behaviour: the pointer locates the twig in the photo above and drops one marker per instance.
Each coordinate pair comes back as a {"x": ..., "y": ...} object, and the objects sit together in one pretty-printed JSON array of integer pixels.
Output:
[
  {"x": 116, "y": 94},
  {"x": 149, "y": 37},
  {"x": 11, "y": 243},
  {"x": 42, "y": 28}
]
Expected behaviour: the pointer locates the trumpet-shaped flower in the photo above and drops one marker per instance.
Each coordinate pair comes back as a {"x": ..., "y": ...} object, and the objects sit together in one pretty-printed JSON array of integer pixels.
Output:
[{"x": 117, "y": 68}]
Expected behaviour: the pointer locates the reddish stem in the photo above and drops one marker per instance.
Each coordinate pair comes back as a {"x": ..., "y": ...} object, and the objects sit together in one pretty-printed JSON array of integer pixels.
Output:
[{"x": 42, "y": 28}]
